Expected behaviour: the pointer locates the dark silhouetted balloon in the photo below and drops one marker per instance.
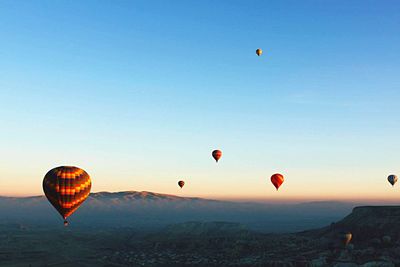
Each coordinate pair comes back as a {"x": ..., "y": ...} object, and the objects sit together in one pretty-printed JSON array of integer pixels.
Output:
[
  {"x": 181, "y": 183},
  {"x": 277, "y": 180},
  {"x": 66, "y": 188},
  {"x": 259, "y": 52},
  {"x": 392, "y": 179},
  {"x": 217, "y": 154}
]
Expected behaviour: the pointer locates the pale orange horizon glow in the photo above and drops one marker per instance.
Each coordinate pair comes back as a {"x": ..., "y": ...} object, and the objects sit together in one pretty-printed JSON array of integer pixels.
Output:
[{"x": 233, "y": 178}]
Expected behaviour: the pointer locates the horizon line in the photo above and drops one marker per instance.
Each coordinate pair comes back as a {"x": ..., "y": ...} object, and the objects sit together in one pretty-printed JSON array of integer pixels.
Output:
[{"x": 285, "y": 199}]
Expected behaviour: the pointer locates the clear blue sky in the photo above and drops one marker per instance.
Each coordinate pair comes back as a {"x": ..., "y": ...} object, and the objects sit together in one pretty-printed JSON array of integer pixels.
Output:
[{"x": 138, "y": 93}]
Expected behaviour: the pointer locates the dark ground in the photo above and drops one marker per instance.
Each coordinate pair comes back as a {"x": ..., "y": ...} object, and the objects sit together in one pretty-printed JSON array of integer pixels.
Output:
[{"x": 376, "y": 242}]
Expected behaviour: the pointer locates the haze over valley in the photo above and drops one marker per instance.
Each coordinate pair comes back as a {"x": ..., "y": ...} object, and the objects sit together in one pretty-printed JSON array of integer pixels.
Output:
[{"x": 149, "y": 210}]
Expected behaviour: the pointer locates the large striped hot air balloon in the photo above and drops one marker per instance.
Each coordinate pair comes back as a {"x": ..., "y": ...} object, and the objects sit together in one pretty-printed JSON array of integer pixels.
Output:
[
  {"x": 66, "y": 188},
  {"x": 217, "y": 154},
  {"x": 277, "y": 180}
]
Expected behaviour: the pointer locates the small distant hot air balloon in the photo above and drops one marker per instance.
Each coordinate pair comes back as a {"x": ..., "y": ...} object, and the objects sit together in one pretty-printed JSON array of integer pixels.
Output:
[
  {"x": 259, "y": 52},
  {"x": 66, "y": 188},
  {"x": 277, "y": 180},
  {"x": 217, "y": 154},
  {"x": 346, "y": 238},
  {"x": 392, "y": 179},
  {"x": 181, "y": 183}
]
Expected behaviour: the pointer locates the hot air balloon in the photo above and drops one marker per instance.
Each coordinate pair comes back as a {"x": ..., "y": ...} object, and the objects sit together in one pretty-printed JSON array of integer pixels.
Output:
[
  {"x": 217, "y": 154},
  {"x": 66, "y": 188},
  {"x": 259, "y": 52},
  {"x": 181, "y": 183},
  {"x": 392, "y": 179},
  {"x": 277, "y": 180},
  {"x": 346, "y": 238}
]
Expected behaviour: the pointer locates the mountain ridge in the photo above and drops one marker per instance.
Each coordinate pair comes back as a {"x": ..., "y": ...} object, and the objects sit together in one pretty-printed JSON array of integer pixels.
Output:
[
  {"x": 146, "y": 193},
  {"x": 146, "y": 209},
  {"x": 119, "y": 193}
]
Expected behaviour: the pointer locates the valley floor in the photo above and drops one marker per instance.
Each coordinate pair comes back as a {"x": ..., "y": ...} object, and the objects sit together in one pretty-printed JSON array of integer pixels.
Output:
[{"x": 216, "y": 245}]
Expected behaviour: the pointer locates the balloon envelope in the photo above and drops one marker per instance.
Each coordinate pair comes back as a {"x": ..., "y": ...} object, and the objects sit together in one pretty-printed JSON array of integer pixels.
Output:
[
  {"x": 346, "y": 238},
  {"x": 217, "y": 154},
  {"x": 259, "y": 52},
  {"x": 66, "y": 188},
  {"x": 277, "y": 180},
  {"x": 392, "y": 179},
  {"x": 181, "y": 183}
]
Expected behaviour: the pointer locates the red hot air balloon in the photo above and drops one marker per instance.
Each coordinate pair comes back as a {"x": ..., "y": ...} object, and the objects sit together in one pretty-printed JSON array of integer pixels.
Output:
[
  {"x": 277, "y": 180},
  {"x": 181, "y": 183},
  {"x": 66, "y": 188},
  {"x": 217, "y": 154}
]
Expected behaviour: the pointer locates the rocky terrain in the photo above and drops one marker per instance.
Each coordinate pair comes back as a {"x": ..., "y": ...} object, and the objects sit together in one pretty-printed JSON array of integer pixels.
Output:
[
  {"x": 150, "y": 229},
  {"x": 376, "y": 242}
]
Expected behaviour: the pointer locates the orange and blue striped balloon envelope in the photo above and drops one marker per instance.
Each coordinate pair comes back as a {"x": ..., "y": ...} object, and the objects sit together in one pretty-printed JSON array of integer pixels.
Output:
[{"x": 66, "y": 188}]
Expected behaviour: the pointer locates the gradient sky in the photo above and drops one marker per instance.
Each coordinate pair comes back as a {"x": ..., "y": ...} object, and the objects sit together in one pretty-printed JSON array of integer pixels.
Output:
[{"x": 138, "y": 93}]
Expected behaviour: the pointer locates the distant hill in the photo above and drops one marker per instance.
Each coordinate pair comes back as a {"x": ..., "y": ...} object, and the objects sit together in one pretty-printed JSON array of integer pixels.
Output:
[
  {"x": 378, "y": 217},
  {"x": 370, "y": 227},
  {"x": 148, "y": 210},
  {"x": 369, "y": 222}
]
